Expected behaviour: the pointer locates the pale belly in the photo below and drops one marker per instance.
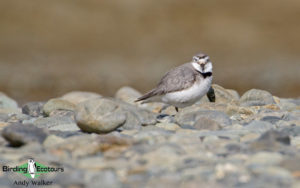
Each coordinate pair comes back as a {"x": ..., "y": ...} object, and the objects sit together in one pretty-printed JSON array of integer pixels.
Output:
[{"x": 189, "y": 96}]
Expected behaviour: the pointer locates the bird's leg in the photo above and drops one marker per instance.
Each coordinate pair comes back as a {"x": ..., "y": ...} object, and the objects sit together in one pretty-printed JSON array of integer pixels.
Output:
[
  {"x": 164, "y": 107},
  {"x": 176, "y": 108},
  {"x": 160, "y": 115}
]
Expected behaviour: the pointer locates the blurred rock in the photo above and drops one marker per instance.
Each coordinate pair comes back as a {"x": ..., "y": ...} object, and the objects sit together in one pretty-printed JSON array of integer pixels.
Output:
[
  {"x": 76, "y": 97},
  {"x": 18, "y": 134},
  {"x": 190, "y": 115},
  {"x": 223, "y": 95},
  {"x": 271, "y": 140},
  {"x": 233, "y": 109},
  {"x": 8, "y": 103},
  {"x": 168, "y": 126},
  {"x": 265, "y": 158},
  {"x": 256, "y": 97},
  {"x": 259, "y": 126},
  {"x": 4, "y": 117},
  {"x": 288, "y": 104},
  {"x": 106, "y": 178},
  {"x": 271, "y": 119},
  {"x": 128, "y": 94},
  {"x": 291, "y": 163},
  {"x": 274, "y": 175},
  {"x": 222, "y": 143},
  {"x": 234, "y": 93},
  {"x": 136, "y": 117},
  {"x": 72, "y": 179},
  {"x": 19, "y": 117},
  {"x": 58, "y": 104},
  {"x": 99, "y": 115},
  {"x": 34, "y": 109},
  {"x": 204, "y": 123},
  {"x": 52, "y": 140},
  {"x": 60, "y": 123}
]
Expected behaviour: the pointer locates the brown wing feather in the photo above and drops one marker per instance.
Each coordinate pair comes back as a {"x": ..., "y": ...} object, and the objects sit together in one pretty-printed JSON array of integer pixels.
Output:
[
  {"x": 146, "y": 96},
  {"x": 179, "y": 78}
]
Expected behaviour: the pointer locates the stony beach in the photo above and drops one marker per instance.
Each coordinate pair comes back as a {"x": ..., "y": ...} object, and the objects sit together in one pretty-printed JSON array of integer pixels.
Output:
[{"x": 244, "y": 141}]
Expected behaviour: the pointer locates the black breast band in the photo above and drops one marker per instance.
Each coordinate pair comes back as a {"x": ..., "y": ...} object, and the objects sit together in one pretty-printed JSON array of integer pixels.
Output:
[{"x": 207, "y": 74}]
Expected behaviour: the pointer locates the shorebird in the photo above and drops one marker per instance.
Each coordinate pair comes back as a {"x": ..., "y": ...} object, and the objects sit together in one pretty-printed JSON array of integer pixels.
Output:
[{"x": 184, "y": 85}]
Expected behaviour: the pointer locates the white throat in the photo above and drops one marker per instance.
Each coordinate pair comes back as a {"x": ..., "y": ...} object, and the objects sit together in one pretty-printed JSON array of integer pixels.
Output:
[{"x": 208, "y": 67}]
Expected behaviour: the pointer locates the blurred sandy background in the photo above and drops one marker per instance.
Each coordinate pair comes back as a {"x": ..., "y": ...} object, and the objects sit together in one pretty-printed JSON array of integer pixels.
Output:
[{"x": 50, "y": 47}]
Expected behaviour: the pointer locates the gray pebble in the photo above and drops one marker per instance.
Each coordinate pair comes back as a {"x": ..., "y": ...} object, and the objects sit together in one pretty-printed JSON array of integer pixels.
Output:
[
  {"x": 256, "y": 97},
  {"x": 18, "y": 134}
]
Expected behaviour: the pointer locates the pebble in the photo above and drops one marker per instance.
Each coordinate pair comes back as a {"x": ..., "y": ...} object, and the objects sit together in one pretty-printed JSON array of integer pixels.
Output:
[
  {"x": 248, "y": 141},
  {"x": 265, "y": 158},
  {"x": 190, "y": 115},
  {"x": 136, "y": 117},
  {"x": 34, "y": 109},
  {"x": 18, "y": 134},
  {"x": 271, "y": 140},
  {"x": 99, "y": 115},
  {"x": 168, "y": 126},
  {"x": 7, "y": 102},
  {"x": 204, "y": 123},
  {"x": 223, "y": 95},
  {"x": 128, "y": 94},
  {"x": 76, "y": 97},
  {"x": 259, "y": 126},
  {"x": 256, "y": 97},
  {"x": 58, "y": 104},
  {"x": 60, "y": 123},
  {"x": 52, "y": 140}
]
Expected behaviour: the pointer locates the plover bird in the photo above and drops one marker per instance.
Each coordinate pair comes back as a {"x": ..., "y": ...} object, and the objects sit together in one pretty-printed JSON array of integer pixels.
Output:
[{"x": 184, "y": 85}]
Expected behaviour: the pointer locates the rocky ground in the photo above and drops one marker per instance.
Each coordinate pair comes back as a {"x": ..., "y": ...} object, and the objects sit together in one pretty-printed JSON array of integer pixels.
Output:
[{"x": 248, "y": 141}]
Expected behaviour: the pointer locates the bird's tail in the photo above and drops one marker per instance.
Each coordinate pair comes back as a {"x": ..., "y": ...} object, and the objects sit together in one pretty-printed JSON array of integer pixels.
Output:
[{"x": 146, "y": 96}]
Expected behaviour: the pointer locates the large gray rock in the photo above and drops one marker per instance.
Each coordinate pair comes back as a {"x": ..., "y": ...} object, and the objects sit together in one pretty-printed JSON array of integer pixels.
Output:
[
  {"x": 58, "y": 104},
  {"x": 271, "y": 140},
  {"x": 76, "y": 97},
  {"x": 259, "y": 126},
  {"x": 127, "y": 94},
  {"x": 256, "y": 97},
  {"x": 137, "y": 117},
  {"x": 288, "y": 104},
  {"x": 60, "y": 123},
  {"x": 234, "y": 93},
  {"x": 34, "y": 109},
  {"x": 99, "y": 115},
  {"x": 191, "y": 116},
  {"x": 265, "y": 159},
  {"x": 4, "y": 117},
  {"x": 220, "y": 95},
  {"x": 223, "y": 95},
  {"x": 18, "y": 134},
  {"x": 7, "y": 103},
  {"x": 105, "y": 178},
  {"x": 204, "y": 123}
]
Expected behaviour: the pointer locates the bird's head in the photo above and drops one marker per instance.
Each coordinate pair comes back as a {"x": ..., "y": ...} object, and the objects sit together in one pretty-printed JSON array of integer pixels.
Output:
[{"x": 202, "y": 63}]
